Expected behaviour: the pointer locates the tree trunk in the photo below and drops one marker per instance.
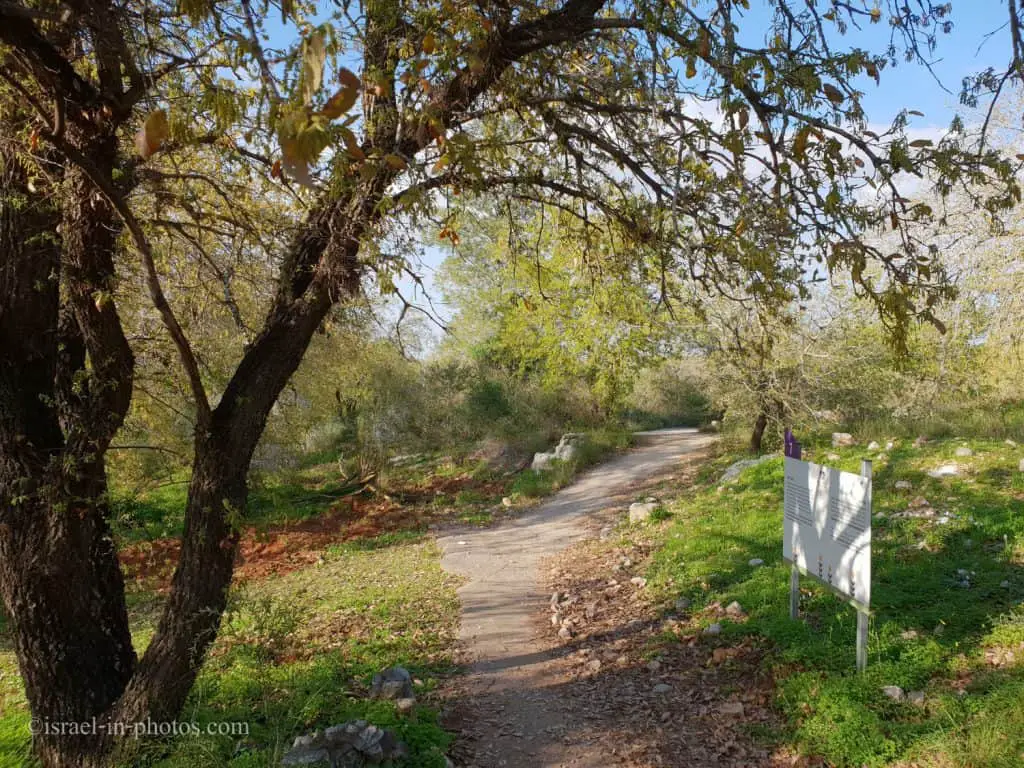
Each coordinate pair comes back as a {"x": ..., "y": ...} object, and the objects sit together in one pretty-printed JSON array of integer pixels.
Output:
[
  {"x": 757, "y": 436},
  {"x": 59, "y": 576},
  {"x": 218, "y": 491}
]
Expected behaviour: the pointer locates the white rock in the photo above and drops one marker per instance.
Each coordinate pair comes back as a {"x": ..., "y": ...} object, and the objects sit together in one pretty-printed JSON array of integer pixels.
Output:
[
  {"x": 916, "y": 698},
  {"x": 1004, "y": 584},
  {"x": 1010, "y": 442},
  {"x": 641, "y": 511},
  {"x": 682, "y": 603},
  {"x": 734, "y": 609},
  {"x": 894, "y": 692},
  {"x": 565, "y": 633},
  {"x": 542, "y": 462},
  {"x": 506, "y": 502},
  {"x": 566, "y": 452},
  {"x": 946, "y": 470},
  {"x": 833, "y": 457},
  {"x": 654, "y": 665},
  {"x": 640, "y": 581},
  {"x": 755, "y": 562},
  {"x": 890, "y": 445},
  {"x": 873, "y": 446},
  {"x": 964, "y": 451},
  {"x": 737, "y": 468},
  {"x": 713, "y": 629},
  {"x": 1020, "y": 467},
  {"x": 904, "y": 485},
  {"x": 842, "y": 439}
]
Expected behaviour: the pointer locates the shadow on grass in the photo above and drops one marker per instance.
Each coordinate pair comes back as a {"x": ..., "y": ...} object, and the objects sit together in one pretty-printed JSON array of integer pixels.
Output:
[{"x": 945, "y": 590}]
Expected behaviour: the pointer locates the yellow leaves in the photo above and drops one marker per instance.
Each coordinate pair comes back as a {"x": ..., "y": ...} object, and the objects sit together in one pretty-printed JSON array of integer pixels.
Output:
[
  {"x": 346, "y": 96},
  {"x": 443, "y": 162},
  {"x": 352, "y": 147},
  {"x": 833, "y": 94},
  {"x": 102, "y": 300},
  {"x": 348, "y": 79},
  {"x": 703, "y": 45},
  {"x": 340, "y": 103},
  {"x": 876, "y": 14},
  {"x": 152, "y": 134},
  {"x": 302, "y": 138},
  {"x": 449, "y": 234},
  {"x": 800, "y": 142},
  {"x": 314, "y": 54},
  {"x": 429, "y": 44},
  {"x": 691, "y": 67}
]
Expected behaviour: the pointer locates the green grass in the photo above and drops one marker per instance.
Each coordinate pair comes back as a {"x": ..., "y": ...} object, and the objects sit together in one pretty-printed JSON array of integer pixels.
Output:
[
  {"x": 297, "y": 652},
  {"x": 160, "y": 512},
  {"x": 927, "y": 632}
]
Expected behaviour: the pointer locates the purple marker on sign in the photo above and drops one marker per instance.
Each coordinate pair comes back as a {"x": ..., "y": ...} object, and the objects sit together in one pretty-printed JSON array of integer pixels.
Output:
[{"x": 792, "y": 448}]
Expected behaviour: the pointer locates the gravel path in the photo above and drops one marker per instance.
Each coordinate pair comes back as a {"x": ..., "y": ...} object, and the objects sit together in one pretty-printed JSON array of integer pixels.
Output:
[{"x": 522, "y": 713}]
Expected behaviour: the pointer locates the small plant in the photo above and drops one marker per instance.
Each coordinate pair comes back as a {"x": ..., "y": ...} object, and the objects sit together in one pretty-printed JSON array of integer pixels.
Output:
[
  {"x": 260, "y": 623},
  {"x": 661, "y": 513}
]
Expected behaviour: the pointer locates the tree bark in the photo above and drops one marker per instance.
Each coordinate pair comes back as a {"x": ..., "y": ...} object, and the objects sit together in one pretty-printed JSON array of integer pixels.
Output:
[
  {"x": 757, "y": 436},
  {"x": 59, "y": 575}
]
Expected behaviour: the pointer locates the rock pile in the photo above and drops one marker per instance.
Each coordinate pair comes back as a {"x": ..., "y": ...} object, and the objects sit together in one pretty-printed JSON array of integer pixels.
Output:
[
  {"x": 354, "y": 744},
  {"x": 566, "y": 450}
]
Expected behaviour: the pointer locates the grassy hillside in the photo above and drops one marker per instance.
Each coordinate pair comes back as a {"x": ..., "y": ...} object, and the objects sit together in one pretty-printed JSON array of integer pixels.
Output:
[{"x": 947, "y": 599}]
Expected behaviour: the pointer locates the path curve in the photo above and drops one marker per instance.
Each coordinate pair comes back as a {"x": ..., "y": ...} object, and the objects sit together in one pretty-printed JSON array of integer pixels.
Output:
[{"x": 502, "y": 595}]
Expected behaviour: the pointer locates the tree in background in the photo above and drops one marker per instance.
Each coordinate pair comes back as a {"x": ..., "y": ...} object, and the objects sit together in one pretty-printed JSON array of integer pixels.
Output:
[{"x": 730, "y": 156}]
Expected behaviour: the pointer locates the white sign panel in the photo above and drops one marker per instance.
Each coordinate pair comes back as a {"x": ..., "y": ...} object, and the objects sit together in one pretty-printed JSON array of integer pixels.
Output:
[{"x": 827, "y": 527}]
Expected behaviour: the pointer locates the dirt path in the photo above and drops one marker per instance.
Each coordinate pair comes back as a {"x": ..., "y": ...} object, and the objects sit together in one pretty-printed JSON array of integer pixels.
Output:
[{"x": 519, "y": 710}]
